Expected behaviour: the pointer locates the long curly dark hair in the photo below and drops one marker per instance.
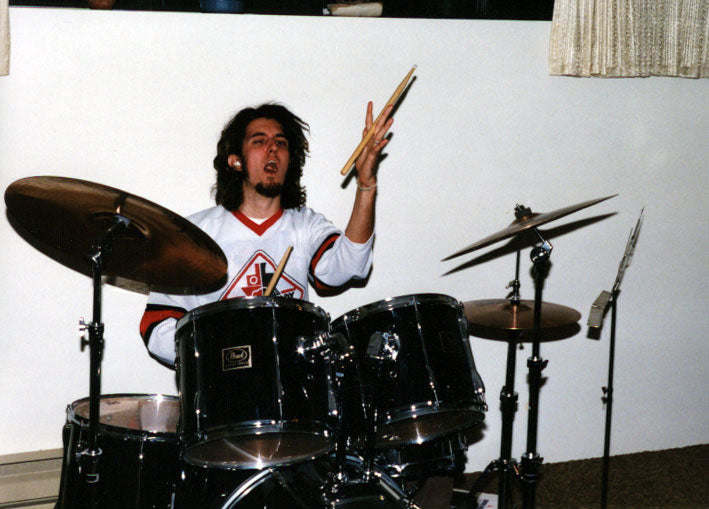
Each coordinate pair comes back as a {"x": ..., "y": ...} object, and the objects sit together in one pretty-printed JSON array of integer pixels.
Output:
[{"x": 227, "y": 189}]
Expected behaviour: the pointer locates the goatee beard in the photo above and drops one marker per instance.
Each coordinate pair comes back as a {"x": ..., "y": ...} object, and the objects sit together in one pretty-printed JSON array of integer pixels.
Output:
[{"x": 269, "y": 190}]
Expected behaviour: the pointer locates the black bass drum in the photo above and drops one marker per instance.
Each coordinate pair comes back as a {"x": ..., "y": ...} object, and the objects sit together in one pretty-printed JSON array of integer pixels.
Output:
[
  {"x": 313, "y": 485},
  {"x": 138, "y": 463},
  {"x": 414, "y": 375},
  {"x": 252, "y": 393}
]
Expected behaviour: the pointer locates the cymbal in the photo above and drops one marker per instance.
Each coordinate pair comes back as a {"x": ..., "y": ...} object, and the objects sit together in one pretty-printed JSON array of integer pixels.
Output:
[
  {"x": 65, "y": 217},
  {"x": 525, "y": 223},
  {"x": 502, "y": 314}
]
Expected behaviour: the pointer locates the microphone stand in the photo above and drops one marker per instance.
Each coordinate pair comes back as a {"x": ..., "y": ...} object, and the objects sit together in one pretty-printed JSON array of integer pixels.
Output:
[
  {"x": 595, "y": 320},
  {"x": 608, "y": 399}
]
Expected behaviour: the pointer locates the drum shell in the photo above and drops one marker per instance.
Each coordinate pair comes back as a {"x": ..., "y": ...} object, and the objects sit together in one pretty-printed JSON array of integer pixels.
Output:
[
  {"x": 445, "y": 456},
  {"x": 138, "y": 463},
  {"x": 240, "y": 375},
  {"x": 433, "y": 376}
]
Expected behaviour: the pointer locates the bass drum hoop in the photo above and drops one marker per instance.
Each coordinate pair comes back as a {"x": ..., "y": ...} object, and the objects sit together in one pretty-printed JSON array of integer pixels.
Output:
[{"x": 387, "y": 484}]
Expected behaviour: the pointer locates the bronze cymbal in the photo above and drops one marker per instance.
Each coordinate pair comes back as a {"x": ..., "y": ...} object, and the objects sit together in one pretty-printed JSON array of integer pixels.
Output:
[
  {"x": 65, "y": 218},
  {"x": 503, "y": 314},
  {"x": 525, "y": 223}
]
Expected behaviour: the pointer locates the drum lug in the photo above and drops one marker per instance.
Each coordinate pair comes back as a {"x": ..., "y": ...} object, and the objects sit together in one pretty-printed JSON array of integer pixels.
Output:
[
  {"x": 330, "y": 346},
  {"x": 383, "y": 346},
  {"x": 88, "y": 464},
  {"x": 463, "y": 324},
  {"x": 311, "y": 347}
]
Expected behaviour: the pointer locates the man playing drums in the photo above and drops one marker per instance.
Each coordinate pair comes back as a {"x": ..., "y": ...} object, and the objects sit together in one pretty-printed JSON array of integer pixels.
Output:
[
  {"x": 261, "y": 211},
  {"x": 260, "y": 214}
]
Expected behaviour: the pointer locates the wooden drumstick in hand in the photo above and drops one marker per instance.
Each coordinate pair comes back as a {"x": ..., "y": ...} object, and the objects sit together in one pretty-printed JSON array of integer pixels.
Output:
[
  {"x": 395, "y": 97},
  {"x": 279, "y": 270}
]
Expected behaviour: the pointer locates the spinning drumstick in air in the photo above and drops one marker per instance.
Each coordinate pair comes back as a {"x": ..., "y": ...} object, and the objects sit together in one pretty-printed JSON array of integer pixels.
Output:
[
  {"x": 395, "y": 97},
  {"x": 279, "y": 270}
]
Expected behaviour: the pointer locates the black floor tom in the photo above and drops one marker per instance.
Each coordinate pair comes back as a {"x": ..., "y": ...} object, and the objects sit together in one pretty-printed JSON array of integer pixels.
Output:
[{"x": 138, "y": 464}]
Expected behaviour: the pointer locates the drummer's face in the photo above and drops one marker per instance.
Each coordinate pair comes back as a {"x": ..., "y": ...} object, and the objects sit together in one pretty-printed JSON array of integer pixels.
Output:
[{"x": 265, "y": 155}]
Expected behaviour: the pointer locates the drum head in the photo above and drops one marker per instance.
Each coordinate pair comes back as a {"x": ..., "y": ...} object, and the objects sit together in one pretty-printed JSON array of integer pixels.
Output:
[
  {"x": 418, "y": 428},
  {"x": 394, "y": 303},
  {"x": 246, "y": 303},
  {"x": 259, "y": 450},
  {"x": 152, "y": 413}
]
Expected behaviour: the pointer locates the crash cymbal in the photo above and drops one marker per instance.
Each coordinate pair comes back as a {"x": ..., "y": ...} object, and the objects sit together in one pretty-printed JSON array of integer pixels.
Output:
[
  {"x": 503, "y": 314},
  {"x": 525, "y": 223},
  {"x": 64, "y": 218}
]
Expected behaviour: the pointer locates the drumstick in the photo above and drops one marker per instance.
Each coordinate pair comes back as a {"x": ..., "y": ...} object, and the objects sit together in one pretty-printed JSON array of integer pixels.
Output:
[
  {"x": 395, "y": 97},
  {"x": 277, "y": 274}
]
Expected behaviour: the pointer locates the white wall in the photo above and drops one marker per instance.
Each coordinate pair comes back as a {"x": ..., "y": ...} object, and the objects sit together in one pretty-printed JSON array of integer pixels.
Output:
[{"x": 137, "y": 100}]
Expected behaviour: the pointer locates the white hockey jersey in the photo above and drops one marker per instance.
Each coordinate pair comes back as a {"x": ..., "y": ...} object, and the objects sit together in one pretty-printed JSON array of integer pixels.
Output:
[{"x": 321, "y": 256}]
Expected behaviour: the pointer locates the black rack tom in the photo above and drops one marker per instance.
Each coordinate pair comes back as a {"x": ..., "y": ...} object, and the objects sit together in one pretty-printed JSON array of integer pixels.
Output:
[
  {"x": 250, "y": 396},
  {"x": 415, "y": 377}
]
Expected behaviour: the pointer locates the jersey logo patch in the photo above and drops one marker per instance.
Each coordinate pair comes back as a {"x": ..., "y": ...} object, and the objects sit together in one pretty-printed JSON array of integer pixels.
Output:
[{"x": 254, "y": 277}]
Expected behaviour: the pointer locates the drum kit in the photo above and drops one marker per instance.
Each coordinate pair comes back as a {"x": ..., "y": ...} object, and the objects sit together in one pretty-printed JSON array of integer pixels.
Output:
[{"x": 278, "y": 405}]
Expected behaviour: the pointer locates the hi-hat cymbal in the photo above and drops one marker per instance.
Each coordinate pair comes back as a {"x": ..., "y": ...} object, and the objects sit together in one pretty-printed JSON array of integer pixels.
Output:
[
  {"x": 503, "y": 314},
  {"x": 525, "y": 223},
  {"x": 64, "y": 218}
]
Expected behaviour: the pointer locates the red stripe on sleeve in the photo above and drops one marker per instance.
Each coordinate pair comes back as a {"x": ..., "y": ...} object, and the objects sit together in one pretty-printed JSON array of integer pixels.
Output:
[
  {"x": 152, "y": 317},
  {"x": 327, "y": 244}
]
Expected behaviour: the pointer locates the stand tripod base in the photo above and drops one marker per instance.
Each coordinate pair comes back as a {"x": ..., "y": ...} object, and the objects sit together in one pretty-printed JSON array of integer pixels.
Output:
[{"x": 507, "y": 471}]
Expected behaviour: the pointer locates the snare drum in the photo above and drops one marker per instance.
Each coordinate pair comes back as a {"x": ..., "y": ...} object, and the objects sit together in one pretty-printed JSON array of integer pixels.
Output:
[
  {"x": 250, "y": 394},
  {"x": 138, "y": 464},
  {"x": 415, "y": 373}
]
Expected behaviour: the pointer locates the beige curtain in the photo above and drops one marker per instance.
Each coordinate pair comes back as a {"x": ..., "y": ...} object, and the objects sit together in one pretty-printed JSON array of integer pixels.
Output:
[
  {"x": 625, "y": 38},
  {"x": 4, "y": 38}
]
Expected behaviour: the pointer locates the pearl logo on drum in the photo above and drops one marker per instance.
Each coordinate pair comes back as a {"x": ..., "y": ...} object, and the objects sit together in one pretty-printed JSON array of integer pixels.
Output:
[{"x": 236, "y": 357}]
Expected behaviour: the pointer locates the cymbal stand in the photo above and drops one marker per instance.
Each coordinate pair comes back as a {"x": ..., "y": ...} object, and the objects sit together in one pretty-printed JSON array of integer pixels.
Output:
[
  {"x": 89, "y": 457},
  {"x": 531, "y": 460},
  {"x": 505, "y": 465}
]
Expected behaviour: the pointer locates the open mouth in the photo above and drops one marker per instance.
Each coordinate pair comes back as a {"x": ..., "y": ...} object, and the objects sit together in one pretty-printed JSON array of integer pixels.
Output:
[{"x": 271, "y": 167}]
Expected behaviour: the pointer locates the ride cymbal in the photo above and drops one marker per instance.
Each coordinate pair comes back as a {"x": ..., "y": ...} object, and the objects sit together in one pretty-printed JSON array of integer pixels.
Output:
[
  {"x": 503, "y": 314},
  {"x": 153, "y": 247},
  {"x": 525, "y": 223}
]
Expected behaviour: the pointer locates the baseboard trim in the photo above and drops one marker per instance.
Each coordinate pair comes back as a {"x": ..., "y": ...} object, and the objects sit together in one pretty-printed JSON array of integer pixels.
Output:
[
  {"x": 37, "y": 503},
  {"x": 30, "y": 479}
]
